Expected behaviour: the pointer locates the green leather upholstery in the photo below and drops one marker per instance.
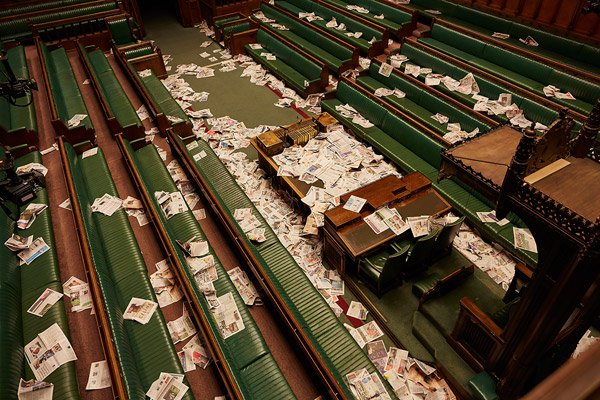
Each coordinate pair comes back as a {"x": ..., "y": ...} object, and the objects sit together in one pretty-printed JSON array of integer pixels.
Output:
[
  {"x": 419, "y": 254},
  {"x": 236, "y": 28},
  {"x": 532, "y": 109},
  {"x": 63, "y": 86},
  {"x": 425, "y": 284},
  {"x": 383, "y": 270},
  {"x": 16, "y": 118},
  {"x": 527, "y": 73},
  {"x": 419, "y": 103},
  {"x": 111, "y": 89},
  {"x": 120, "y": 31},
  {"x": 218, "y": 22},
  {"x": 122, "y": 274},
  {"x": 253, "y": 367},
  {"x": 138, "y": 52},
  {"x": 323, "y": 48},
  {"x": 294, "y": 68},
  {"x": 32, "y": 7},
  {"x": 333, "y": 342},
  {"x": 19, "y": 288},
  {"x": 483, "y": 387},
  {"x": 352, "y": 25},
  {"x": 18, "y": 28},
  {"x": 394, "y": 18},
  {"x": 443, "y": 243}
]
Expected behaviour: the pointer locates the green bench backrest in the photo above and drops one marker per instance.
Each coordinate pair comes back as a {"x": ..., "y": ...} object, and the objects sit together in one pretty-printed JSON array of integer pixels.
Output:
[
  {"x": 294, "y": 59},
  {"x": 236, "y": 28},
  {"x": 332, "y": 47},
  {"x": 120, "y": 32},
  {"x": 140, "y": 51},
  {"x": 458, "y": 40},
  {"x": 20, "y": 116},
  {"x": 483, "y": 19},
  {"x": 36, "y": 7},
  {"x": 369, "y": 108},
  {"x": 220, "y": 21},
  {"x": 377, "y": 7}
]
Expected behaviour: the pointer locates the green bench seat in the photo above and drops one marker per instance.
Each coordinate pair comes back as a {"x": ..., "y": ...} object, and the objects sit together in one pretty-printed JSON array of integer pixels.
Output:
[
  {"x": 121, "y": 31},
  {"x": 122, "y": 274},
  {"x": 33, "y": 7},
  {"x": 294, "y": 68},
  {"x": 219, "y": 22},
  {"x": 352, "y": 25},
  {"x": 18, "y": 123},
  {"x": 110, "y": 88},
  {"x": 237, "y": 28},
  {"x": 532, "y": 110},
  {"x": 333, "y": 342},
  {"x": 246, "y": 352},
  {"x": 529, "y": 74},
  {"x": 20, "y": 287},
  {"x": 330, "y": 52},
  {"x": 397, "y": 21},
  {"x": 64, "y": 90},
  {"x": 418, "y": 102},
  {"x": 412, "y": 151}
]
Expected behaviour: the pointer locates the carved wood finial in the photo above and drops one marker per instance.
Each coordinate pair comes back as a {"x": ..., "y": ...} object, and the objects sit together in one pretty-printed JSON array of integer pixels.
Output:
[
  {"x": 587, "y": 134},
  {"x": 518, "y": 165}
]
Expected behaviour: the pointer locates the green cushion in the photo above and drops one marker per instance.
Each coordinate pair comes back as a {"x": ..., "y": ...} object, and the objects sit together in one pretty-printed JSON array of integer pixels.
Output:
[{"x": 483, "y": 387}]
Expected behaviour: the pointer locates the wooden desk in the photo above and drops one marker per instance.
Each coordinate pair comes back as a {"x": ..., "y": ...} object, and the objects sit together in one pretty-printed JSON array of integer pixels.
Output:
[{"x": 348, "y": 237}]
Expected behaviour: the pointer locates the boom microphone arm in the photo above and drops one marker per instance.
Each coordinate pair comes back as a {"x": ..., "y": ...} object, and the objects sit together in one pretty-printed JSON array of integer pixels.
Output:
[{"x": 15, "y": 87}]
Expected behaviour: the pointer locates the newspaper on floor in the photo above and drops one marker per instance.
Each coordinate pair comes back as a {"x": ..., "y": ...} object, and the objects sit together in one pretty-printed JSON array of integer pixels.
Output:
[
  {"x": 228, "y": 316},
  {"x": 171, "y": 203},
  {"x": 140, "y": 310},
  {"x": 99, "y": 377},
  {"x": 357, "y": 310},
  {"x": 107, "y": 204},
  {"x": 524, "y": 240},
  {"x": 197, "y": 352},
  {"x": 378, "y": 354},
  {"x": 187, "y": 364},
  {"x": 167, "y": 387},
  {"x": 49, "y": 149},
  {"x": 250, "y": 224},
  {"x": 66, "y": 204},
  {"x": 35, "y": 250},
  {"x": 397, "y": 59},
  {"x": 585, "y": 343},
  {"x": 181, "y": 329},
  {"x": 419, "y": 226},
  {"x": 30, "y": 167},
  {"x": 46, "y": 300},
  {"x": 28, "y": 215},
  {"x": 199, "y": 214},
  {"x": 529, "y": 41},
  {"x": 35, "y": 390},
  {"x": 500, "y": 35},
  {"x": 48, "y": 351},
  {"x": 164, "y": 284},
  {"x": 16, "y": 242},
  {"x": 365, "y": 386},
  {"x": 370, "y": 331},
  {"x": 75, "y": 120},
  {"x": 79, "y": 294},
  {"x": 397, "y": 361},
  {"x": 244, "y": 286}
]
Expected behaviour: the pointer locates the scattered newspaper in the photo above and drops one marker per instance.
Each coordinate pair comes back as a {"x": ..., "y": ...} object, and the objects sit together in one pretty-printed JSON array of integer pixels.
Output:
[
  {"x": 171, "y": 203},
  {"x": 553, "y": 91},
  {"x": 46, "y": 300},
  {"x": 228, "y": 316},
  {"x": 35, "y": 390},
  {"x": 524, "y": 240},
  {"x": 442, "y": 119},
  {"x": 501, "y": 35},
  {"x": 140, "y": 310},
  {"x": 167, "y": 387},
  {"x": 48, "y": 351},
  {"x": 88, "y": 153},
  {"x": 99, "y": 377},
  {"x": 78, "y": 292},
  {"x": 365, "y": 386},
  {"x": 35, "y": 250},
  {"x": 396, "y": 60},
  {"x": 357, "y": 310},
  {"x": 28, "y": 215},
  {"x": 197, "y": 352},
  {"x": 355, "y": 204},
  {"x": 244, "y": 286},
  {"x": 419, "y": 226},
  {"x": 27, "y": 168},
  {"x": 250, "y": 224},
  {"x": 181, "y": 329},
  {"x": 49, "y": 149},
  {"x": 16, "y": 242},
  {"x": 75, "y": 120},
  {"x": 107, "y": 204},
  {"x": 490, "y": 217},
  {"x": 66, "y": 204},
  {"x": 529, "y": 41},
  {"x": 378, "y": 354},
  {"x": 194, "y": 247},
  {"x": 164, "y": 284}
]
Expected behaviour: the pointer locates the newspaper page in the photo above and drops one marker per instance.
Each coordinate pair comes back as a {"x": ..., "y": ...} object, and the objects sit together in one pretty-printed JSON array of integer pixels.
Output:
[
  {"x": 181, "y": 328},
  {"x": 167, "y": 387},
  {"x": 140, "y": 310},
  {"x": 28, "y": 215},
  {"x": 524, "y": 240},
  {"x": 355, "y": 204},
  {"x": 48, "y": 351},
  {"x": 228, "y": 316},
  {"x": 99, "y": 377},
  {"x": 197, "y": 352},
  {"x": 357, "y": 310},
  {"x": 419, "y": 226},
  {"x": 46, "y": 300},
  {"x": 244, "y": 286},
  {"x": 35, "y": 390},
  {"x": 37, "y": 248}
]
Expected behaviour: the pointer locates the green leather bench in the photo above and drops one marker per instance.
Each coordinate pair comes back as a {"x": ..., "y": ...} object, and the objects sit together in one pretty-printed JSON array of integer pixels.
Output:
[
  {"x": 399, "y": 22},
  {"x": 18, "y": 123},
  {"x": 529, "y": 74},
  {"x": 333, "y": 53},
  {"x": 138, "y": 52},
  {"x": 418, "y": 102},
  {"x": 66, "y": 96},
  {"x": 300, "y": 72},
  {"x": 412, "y": 150},
  {"x": 533, "y": 111},
  {"x": 253, "y": 367},
  {"x": 111, "y": 93},
  {"x": 122, "y": 274},
  {"x": 18, "y": 28},
  {"x": 121, "y": 30},
  {"x": 36, "y": 6},
  {"x": 313, "y": 316},
  {"x": 352, "y": 25},
  {"x": 19, "y": 288},
  {"x": 237, "y": 28}
]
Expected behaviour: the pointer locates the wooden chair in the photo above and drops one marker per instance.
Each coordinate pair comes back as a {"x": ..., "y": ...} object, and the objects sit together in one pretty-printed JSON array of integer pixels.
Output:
[
  {"x": 443, "y": 243},
  {"x": 419, "y": 254},
  {"x": 382, "y": 271}
]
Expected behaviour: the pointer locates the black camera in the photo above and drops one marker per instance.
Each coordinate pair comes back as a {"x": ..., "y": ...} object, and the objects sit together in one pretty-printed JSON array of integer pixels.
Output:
[
  {"x": 15, "y": 87},
  {"x": 19, "y": 189}
]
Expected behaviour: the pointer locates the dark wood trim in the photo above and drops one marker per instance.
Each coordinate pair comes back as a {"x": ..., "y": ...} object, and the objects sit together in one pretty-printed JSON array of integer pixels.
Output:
[
  {"x": 220, "y": 359},
  {"x": 108, "y": 345},
  {"x": 313, "y": 355}
]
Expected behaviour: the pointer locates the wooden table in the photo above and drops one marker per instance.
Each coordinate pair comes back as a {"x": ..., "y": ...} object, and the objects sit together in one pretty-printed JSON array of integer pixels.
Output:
[{"x": 348, "y": 237}]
